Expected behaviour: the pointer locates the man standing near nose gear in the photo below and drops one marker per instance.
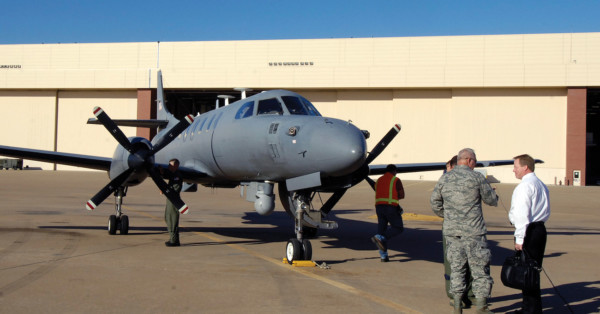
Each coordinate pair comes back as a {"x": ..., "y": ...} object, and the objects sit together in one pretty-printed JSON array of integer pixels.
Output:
[
  {"x": 171, "y": 212},
  {"x": 388, "y": 190}
]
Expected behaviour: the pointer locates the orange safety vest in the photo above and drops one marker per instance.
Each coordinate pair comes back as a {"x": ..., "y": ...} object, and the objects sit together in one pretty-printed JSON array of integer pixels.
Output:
[{"x": 385, "y": 190}]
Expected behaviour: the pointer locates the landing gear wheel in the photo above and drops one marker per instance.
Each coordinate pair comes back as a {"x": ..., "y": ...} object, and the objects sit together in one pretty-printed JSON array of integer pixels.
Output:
[
  {"x": 293, "y": 250},
  {"x": 306, "y": 250},
  {"x": 124, "y": 225},
  {"x": 112, "y": 224}
]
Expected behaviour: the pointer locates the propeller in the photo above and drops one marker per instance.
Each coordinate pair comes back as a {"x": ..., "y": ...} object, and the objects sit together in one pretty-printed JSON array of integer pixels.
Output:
[
  {"x": 383, "y": 143},
  {"x": 140, "y": 159}
]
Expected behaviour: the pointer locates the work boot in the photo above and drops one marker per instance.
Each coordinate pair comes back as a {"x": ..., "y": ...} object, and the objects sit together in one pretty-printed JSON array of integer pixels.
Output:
[
  {"x": 457, "y": 305},
  {"x": 481, "y": 306}
]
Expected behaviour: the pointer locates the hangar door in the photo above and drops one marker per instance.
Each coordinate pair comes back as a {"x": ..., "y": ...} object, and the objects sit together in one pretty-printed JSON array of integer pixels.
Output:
[{"x": 593, "y": 137}]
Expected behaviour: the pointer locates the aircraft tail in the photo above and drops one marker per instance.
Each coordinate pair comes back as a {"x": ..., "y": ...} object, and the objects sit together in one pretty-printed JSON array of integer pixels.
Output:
[{"x": 162, "y": 113}]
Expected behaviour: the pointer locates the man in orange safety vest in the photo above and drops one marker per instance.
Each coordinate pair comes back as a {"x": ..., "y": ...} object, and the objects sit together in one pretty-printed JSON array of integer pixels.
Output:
[{"x": 388, "y": 190}]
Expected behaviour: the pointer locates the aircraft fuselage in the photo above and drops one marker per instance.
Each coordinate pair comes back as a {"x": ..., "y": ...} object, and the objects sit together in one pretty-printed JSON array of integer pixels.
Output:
[{"x": 274, "y": 146}]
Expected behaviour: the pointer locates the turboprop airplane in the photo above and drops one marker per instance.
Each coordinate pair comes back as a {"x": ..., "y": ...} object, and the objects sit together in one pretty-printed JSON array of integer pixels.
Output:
[{"x": 274, "y": 137}]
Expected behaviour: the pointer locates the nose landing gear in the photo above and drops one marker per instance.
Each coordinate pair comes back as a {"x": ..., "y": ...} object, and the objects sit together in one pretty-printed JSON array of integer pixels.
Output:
[
  {"x": 119, "y": 221},
  {"x": 298, "y": 248}
]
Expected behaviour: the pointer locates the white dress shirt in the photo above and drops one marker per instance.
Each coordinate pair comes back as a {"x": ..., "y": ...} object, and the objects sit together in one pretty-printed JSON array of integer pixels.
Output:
[{"x": 530, "y": 203}]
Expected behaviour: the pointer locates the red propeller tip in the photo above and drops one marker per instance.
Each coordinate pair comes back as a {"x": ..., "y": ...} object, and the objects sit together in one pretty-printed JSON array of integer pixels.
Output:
[
  {"x": 97, "y": 111},
  {"x": 184, "y": 209},
  {"x": 90, "y": 205}
]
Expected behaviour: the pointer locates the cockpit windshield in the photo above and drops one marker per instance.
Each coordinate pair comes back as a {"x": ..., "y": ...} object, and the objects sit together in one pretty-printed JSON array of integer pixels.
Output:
[{"x": 299, "y": 106}]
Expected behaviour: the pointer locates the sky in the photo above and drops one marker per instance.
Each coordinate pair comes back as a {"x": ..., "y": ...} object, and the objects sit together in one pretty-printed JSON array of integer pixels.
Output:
[{"x": 111, "y": 21}]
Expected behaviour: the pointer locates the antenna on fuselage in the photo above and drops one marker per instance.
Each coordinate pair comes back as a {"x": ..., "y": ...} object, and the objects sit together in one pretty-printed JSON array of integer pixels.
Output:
[
  {"x": 243, "y": 90},
  {"x": 226, "y": 97}
]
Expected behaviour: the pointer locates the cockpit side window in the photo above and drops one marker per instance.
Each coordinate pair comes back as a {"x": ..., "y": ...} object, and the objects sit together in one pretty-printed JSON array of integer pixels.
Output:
[
  {"x": 294, "y": 105},
  {"x": 310, "y": 107},
  {"x": 269, "y": 106},
  {"x": 245, "y": 110}
]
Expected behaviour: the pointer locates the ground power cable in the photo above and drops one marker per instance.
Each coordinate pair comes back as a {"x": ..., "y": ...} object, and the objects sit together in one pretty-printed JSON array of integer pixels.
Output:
[{"x": 541, "y": 268}]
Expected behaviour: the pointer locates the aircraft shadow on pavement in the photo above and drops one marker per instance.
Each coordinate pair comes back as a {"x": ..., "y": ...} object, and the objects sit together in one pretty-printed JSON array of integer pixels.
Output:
[
  {"x": 133, "y": 231},
  {"x": 414, "y": 243},
  {"x": 585, "y": 294}
]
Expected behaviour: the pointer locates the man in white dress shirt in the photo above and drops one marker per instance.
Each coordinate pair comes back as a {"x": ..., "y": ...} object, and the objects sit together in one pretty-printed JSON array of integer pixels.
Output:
[{"x": 530, "y": 208}]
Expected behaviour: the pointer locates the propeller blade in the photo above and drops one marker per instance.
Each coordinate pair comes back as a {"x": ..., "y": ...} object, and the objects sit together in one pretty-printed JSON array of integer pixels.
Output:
[
  {"x": 112, "y": 127},
  {"x": 173, "y": 133},
  {"x": 383, "y": 143},
  {"x": 371, "y": 182},
  {"x": 171, "y": 194},
  {"x": 108, "y": 190},
  {"x": 335, "y": 197}
]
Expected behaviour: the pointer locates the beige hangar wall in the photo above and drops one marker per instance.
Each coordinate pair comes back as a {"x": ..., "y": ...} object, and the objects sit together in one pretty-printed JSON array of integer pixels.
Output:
[
  {"x": 32, "y": 116},
  {"x": 497, "y": 123},
  {"x": 76, "y": 107},
  {"x": 28, "y": 120}
]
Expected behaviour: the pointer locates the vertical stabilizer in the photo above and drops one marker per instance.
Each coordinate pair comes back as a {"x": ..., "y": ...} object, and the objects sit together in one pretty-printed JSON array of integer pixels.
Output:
[{"x": 161, "y": 104}]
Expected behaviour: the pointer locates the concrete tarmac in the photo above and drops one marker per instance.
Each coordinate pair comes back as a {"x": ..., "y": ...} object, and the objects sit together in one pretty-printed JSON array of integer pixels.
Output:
[{"x": 57, "y": 257}]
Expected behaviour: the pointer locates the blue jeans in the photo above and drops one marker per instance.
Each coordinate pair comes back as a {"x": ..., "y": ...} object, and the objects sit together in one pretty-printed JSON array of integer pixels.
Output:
[{"x": 392, "y": 215}]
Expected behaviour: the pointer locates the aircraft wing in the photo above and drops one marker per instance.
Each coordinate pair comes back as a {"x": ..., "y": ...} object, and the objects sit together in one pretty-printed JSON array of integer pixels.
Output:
[
  {"x": 85, "y": 161},
  {"x": 404, "y": 168}
]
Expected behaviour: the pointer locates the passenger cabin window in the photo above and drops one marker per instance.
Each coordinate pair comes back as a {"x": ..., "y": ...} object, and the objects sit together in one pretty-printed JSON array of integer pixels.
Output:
[
  {"x": 269, "y": 106},
  {"x": 245, "y": 110}
]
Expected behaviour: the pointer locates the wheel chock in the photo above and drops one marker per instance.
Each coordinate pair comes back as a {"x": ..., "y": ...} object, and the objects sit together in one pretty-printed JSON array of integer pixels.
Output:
[{"x": 300, "y": 263}]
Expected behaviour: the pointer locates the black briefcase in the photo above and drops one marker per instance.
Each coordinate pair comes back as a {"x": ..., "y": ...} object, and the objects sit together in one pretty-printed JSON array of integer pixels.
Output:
[{"x": 519, "y": 272}]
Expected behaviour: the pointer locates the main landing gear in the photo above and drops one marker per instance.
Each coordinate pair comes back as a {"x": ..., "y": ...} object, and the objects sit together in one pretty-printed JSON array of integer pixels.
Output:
[{"x": 119, "y": 221}]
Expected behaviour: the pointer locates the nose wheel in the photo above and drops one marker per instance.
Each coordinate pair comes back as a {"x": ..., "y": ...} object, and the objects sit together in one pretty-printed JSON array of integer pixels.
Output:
[
  {"x": 298, "y": 248},
  {"x": 119, "y": 221}
]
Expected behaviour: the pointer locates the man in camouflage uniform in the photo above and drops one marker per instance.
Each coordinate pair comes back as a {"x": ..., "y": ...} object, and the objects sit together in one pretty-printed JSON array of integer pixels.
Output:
[{"x": 457, "y": 198}]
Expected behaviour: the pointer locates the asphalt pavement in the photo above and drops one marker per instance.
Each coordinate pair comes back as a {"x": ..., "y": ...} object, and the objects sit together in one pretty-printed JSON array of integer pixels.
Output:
[{"x": 57, "y": 257}]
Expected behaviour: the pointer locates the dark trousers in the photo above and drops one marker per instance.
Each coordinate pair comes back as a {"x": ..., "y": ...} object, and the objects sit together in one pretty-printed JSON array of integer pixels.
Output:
[
  {"x": 534, "y": 246},
  {"x": 392, "y": 215}
]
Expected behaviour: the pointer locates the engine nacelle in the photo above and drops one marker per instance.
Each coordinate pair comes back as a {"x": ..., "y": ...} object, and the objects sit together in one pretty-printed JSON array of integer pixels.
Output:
[
  {"x": 122, "y": 159},
  {"x": 261, "y": 193}
]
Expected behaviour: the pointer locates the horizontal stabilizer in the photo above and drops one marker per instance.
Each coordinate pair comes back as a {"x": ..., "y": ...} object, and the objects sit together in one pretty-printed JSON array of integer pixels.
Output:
[{"x": 135, "y": 123}]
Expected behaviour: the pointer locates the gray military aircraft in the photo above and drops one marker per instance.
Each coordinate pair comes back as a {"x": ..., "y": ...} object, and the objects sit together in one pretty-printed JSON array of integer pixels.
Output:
[{"x": 272, "y": 137}]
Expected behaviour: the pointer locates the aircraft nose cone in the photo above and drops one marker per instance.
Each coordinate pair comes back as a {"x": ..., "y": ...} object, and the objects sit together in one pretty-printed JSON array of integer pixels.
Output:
[{"x": 342, "y": 148}]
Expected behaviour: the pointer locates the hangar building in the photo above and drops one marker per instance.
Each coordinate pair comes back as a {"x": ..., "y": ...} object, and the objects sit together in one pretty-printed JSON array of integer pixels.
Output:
[{"x": 502, "y": 95}]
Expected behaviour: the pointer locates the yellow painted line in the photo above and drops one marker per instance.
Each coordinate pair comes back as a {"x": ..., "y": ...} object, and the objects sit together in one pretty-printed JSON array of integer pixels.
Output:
[
  {"x": 415, "y": 217},
  {"x": 303, "y": 271}
]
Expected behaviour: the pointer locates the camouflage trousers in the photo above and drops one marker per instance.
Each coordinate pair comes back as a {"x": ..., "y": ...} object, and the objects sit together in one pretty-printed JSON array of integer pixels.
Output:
[{"x": 472, "y": 251}]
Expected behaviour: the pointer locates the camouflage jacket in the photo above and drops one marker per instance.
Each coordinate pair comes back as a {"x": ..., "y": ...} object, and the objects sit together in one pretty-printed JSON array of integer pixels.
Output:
[{"x": 457, "y": 198}]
